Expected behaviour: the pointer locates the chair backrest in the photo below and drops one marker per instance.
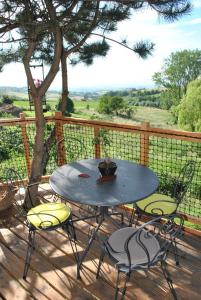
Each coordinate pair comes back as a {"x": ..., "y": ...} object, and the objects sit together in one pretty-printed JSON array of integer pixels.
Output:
[
  {"x": 164, "y": 230},
  {"x": 183, "y": 181}
]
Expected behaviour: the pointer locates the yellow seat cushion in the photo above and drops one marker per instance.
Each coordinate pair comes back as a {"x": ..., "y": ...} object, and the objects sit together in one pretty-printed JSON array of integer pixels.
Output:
[
  {"x": 157, "y": 204},
  {"x": 46, "y": 215}
]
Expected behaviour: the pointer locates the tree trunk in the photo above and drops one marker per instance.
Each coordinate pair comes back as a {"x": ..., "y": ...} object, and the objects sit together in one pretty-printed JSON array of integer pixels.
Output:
[
  {"x": 65, "y": 91},
  {"x": 36, "y": 166},
  {"x": 51, "y": 140}
]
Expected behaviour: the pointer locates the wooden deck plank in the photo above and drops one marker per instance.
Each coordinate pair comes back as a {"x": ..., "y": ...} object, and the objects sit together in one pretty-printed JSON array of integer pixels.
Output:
[
  {"x": 14, "y": 256},
  {"x": 53, "y": 269},
  {"x": 46, "y": 261},
  {"x": 10, "y": 287},
  {"x": 61, "y": 260}
]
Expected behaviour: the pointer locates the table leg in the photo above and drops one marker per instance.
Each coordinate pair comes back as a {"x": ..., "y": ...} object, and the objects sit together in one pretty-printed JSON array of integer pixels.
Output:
[{"x": 93, "y": 236}]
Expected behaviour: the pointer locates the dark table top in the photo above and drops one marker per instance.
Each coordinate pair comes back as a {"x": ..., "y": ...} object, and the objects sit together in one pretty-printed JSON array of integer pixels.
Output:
[{"x": 133, "y": 182}]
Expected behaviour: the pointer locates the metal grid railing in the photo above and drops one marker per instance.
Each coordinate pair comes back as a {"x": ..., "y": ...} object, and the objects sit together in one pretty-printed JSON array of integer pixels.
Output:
[
  {"x": 123, "y": 145},
  {"x": 167, "y": 157},
  {"x": 12, "y": 152},
  {"x": 165, "y": 152}
]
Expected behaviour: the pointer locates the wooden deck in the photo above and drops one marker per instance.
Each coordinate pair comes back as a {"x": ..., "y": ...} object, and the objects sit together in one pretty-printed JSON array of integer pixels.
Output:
[{"x": 52, "y": 275}]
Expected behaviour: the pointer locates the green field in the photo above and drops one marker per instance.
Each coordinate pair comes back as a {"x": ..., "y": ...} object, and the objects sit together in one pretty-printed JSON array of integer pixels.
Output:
[{"x": 88, "y": 110}]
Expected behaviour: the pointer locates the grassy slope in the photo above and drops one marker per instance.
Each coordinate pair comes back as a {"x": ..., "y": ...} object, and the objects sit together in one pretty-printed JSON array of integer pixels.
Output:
[{"x": 87, "y": 110}]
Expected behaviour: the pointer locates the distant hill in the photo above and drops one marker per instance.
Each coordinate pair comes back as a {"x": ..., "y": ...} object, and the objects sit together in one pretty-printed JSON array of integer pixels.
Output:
[
  {"x": 21, "y": 92},
  {"x": 7, "y": 89}
]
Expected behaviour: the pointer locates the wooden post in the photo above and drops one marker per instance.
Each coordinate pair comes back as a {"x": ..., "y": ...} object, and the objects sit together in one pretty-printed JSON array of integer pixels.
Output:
[
  {"x": 60, "y": 139},
  {"x": 97, "y": 146},
  {"x": 25, "y": 144},
  {"x": 144, "y": 145}
]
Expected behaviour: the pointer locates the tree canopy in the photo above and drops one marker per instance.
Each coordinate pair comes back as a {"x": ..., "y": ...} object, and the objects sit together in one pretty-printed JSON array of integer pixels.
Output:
[
  {"x": 69, "y": 107},
  {"x": 189, "y": 117},
  {"x": 178, "y": 70},
  {"x": 53, "y": 30},
  {"x": 110, "y": 105}
]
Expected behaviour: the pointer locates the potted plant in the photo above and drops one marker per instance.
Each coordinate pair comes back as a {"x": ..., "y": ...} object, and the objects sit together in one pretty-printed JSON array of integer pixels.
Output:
[{"x": 107, "y": 167}]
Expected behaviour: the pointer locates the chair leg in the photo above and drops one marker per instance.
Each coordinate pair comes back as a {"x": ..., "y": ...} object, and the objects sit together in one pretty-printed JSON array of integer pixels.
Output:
[
  {"x": 117, "y": 286},
  {"x": 176, "y": 255},
  {"x": 125, "y": 285},
  {"x": 135, "y": 212},
  {"x": 30, "y": 248},
  {"x": 168, "y": 279},
  {"x": 70, "y": 230},
  {"x": 100, "y": 263},
  {"x": 117, "y": 290}
]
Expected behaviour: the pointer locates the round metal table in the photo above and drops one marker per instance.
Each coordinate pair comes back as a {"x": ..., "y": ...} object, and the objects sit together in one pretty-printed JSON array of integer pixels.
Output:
[{"x": 132, "y": 183}]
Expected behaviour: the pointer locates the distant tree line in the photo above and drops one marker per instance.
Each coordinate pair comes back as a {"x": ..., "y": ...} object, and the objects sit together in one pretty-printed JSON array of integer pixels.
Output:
[
  {"x": 180, "y": 80},
  {"x": 115, "y": 105},
  {"x": 138, "y": 97}
]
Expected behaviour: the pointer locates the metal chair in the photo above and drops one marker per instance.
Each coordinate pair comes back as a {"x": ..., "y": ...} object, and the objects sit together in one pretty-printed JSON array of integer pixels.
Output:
[
  {"x": 46, "y": 216},
  {"x": 164, "y": 204},
  {"x": 134, "y": 249}
]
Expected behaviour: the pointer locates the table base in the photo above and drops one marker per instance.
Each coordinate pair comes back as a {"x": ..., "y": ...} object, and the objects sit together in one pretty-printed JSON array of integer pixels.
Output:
[{"x": 100, "y": 217}]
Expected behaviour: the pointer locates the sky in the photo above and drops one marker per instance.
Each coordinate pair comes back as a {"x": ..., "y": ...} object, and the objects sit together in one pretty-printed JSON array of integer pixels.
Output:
[{"x": 122, "y": 68}]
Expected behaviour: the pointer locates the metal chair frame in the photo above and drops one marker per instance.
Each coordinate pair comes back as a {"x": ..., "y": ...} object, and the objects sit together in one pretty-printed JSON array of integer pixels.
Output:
[
  {"x": 165, "y": 231},
  {"x": 13, "y": 178},
  {"x": 179, "y": 190},
  {"x": 67, "y": 226}
]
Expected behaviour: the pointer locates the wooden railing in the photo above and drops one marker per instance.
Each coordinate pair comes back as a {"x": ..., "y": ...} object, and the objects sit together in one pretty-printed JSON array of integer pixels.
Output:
[{"x": 163, "y": 150}]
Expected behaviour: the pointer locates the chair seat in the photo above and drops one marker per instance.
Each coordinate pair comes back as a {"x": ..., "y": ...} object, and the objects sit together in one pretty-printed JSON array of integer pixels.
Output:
[
  {"x": 138, "y": 255},
  {"x": 46, "y": 215},
  {"x": 157, "y": 204}
]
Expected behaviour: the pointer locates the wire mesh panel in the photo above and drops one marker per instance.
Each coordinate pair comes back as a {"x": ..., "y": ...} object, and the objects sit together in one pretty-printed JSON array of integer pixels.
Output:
[
  {"x": 122, "y": 145},
  {"x": 31, "y": 131},
  {"x": 78, "y": 142},
  {"x": 67, "y": 140},
  {"x": 11, "y": 149},
  {"x": 49, "y": 159},
  {"x": 167, "y": 157}
]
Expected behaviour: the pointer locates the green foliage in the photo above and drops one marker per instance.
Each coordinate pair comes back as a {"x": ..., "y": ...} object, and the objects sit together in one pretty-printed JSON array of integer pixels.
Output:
[
  {"x": 127, "y": 112},
  {"x": 110, "y": 105},
  {"x": 175, "y": 112},
  {"x": 48, "y": 107},
  {"x": 167, "y": 99},
  {"x": 189, "y": 117},
  {"x": 69, "y": 106},
  {"x": 139, "y": 97},
  {"x": 7, "y": 99},
  {"x": 10, "y": 141},
  {"x": 5, "y": 115},
  {"x": 90, "y": 51},
  {"x": 178, "y": 70},
  {"x": 103, "y": 139}
]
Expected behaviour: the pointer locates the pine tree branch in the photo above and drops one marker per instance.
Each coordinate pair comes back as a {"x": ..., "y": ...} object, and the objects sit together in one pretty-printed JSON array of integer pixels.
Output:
[{"x": 82, "y": 41}]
